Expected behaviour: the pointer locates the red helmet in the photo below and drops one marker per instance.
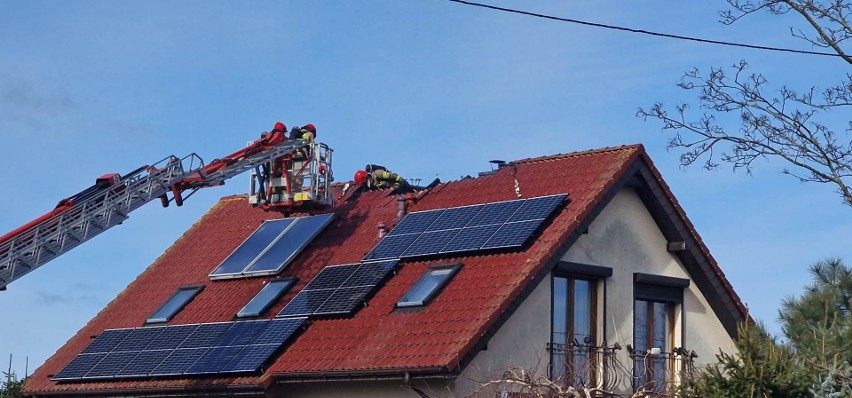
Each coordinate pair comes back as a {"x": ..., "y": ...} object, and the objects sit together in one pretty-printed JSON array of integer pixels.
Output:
[
  {"x": 279, "y": 127},
  {"x": 360, "y": 176},
  {"x": 311, "y": 128}
]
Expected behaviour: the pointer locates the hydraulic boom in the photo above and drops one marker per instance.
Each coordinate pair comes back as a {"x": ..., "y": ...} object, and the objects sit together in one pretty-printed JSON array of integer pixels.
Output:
[{"x": 106, "y": 204}]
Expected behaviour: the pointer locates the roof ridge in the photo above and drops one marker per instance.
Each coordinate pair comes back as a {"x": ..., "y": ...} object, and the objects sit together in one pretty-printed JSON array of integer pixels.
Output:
[{"x": 565, "y": 155}]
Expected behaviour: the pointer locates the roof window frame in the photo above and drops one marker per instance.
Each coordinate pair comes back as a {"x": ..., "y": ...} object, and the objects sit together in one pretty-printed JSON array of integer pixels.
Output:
[
  {"x": 289, "y": 283},
  {"x": 196, "y": 289},
  {"x": 435, "y": 291}
]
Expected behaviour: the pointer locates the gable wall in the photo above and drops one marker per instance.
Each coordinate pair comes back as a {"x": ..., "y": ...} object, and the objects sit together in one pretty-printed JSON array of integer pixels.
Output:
[{"x": 625, "y": 238}]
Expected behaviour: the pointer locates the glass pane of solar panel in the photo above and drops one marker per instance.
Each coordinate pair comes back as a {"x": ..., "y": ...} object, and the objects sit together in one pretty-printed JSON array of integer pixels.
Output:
[
  {"x": 79, "y": 366},
  {"x": 430, "y": 243},
  {"x": 171, "y": 337},
  {"x": 246, "y": 252},
  {"x": 107, "y": 340},
  {"x": 344, "y": 300},
  {"x": 178, "y": 362},
  {"x": 332, "y": 276},
  {"x": 391, "y": 247},
  {"x": 251, "y": 358},
  {"x": 512, "y": 234},
  {"x": 240, "y": 333},
  {"x": 278, "y": 331},
  {"x": 138, "y": 339},
  {"x": 144, "y": 363},
  {"x": 495, "y": 213},
  {"x": 416, "y": 222},
  {"x": 306, "y": 303},
  {"x": 471, "y": 238},
  {"x": 214, "y": 360},
  {"x": 370, "y": 274},
  {"x": 287, "y": 246},
  {"x": 537, "y": 208},
  {"x": 205, "y": 335},
  {"x": 456, "y": 217},
  {"x": 111, "y": 364}
]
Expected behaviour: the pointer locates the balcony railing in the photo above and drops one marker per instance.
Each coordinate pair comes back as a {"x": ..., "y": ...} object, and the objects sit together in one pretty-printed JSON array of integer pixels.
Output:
[{"x": 602, "y": 369}]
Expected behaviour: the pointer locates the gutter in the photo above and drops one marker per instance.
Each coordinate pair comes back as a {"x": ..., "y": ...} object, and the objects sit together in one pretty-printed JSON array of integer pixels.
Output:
[
  {"x": 156, "y": 392},
  {"x": 365, "y": 375}
]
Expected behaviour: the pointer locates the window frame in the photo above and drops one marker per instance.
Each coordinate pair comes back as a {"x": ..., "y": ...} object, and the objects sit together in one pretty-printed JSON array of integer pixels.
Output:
[
  {"x": 454, "y": 269},
  {"x": 165, "y": 319},
  {"x": 596, "y": 285},
  {"x": 288, "y": 284}
]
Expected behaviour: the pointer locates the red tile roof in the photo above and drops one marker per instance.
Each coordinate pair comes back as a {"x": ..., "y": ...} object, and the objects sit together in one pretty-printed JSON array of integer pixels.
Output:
[{"x": 377, "y": 339}]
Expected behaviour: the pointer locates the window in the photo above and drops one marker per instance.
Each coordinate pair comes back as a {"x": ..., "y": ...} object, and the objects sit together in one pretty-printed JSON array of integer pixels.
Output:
[
  {"x": 271, "y": 247},
  {"x": 652, "y": 339},
  {"x": 574, "y": 331},
  {"x": 174, "y": 304},
  {"x": 261, "y": 302},
  {"x": 428, "y": 286},
  {"x": 657, "y": 301}
]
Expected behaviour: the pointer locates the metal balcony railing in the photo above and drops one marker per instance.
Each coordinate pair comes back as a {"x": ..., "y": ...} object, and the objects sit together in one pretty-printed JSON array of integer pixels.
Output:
[{"x": 602, "y": 370}]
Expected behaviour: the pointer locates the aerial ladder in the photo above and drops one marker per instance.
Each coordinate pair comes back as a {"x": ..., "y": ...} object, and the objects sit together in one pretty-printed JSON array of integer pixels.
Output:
[{"x": 287, "y": 176}]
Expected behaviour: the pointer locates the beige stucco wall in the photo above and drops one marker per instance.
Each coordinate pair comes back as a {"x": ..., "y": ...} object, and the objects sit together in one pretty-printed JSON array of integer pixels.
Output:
[{"x": 623, "y": 237}]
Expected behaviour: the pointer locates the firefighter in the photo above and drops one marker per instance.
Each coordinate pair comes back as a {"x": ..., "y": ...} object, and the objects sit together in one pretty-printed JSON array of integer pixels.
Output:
[
  {"x": 379, "y": 177},
  {"x": 297, "y": 166},
  {"x": 277, "y": 167}
]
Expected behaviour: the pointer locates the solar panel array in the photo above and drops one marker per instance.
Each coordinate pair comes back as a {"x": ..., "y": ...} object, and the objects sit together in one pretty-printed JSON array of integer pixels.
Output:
[
  {"x": 182, "y": 350},
  {"x": 495, "y": 225},
  {"x": 338, "y": 289},
  {"x": 271, "y": 247}
]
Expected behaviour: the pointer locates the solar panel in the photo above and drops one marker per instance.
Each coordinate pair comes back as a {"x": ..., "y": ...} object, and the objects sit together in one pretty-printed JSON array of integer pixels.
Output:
[
  {"x": 214, "y": 360},
  {"x": 495, "y": 213},
  {"x": 332, "y": 276},
  {"x": 306, "y": 302},
  {"x": 416, "y": 223},
  {"x": 338, "y": 289},
  {"x": 107, "y": 340},
  {"x": 344, "y": 300},
  {"x": 240, "y": 333},
  {"x": 111, "y": 364},
  {"x": 430, "y": 243},
  {"x": 286, "y": 247},
  {"x": 470, "y": 238},
  {"x": 250, "y": 358},
  {"x": 265, "y": 234},
  {"x": 537, "y": 208},
  {"x": 271, "y": 247},
  {"x": 178, "y": 362},
  {"x": 79, "y": 366},
  {"x": 495, "y": 225},
  {"x": 456, "y": 217},
  {"x": 242, "y": 346},
  {"x": 205, "y": 335},
  {"x": 138, "y": 339},
  {"x": 171, "y": 337},
  {"x": 144, "y": 363},
  {"x": 391, "y": 247},
  {"x": 368, "y": 274},
  {"x": 512, "y": 234},
  {"x": 277, "y": 331}
]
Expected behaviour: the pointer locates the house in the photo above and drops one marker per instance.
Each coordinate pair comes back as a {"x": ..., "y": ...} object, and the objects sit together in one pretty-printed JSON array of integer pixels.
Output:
[{"x": 610, "y": 286}]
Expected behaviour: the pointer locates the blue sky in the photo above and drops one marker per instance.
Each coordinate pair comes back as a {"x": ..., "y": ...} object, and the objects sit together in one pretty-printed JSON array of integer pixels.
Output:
[{"x": 427, "y": 88}]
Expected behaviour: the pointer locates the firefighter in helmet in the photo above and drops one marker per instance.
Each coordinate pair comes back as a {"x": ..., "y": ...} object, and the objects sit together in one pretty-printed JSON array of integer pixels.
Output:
[
  {"x": 297, "y": 166},
  {"x": 379, "y": 177}
]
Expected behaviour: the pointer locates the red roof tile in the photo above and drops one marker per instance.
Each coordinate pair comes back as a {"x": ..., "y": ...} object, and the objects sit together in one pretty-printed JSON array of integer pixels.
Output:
[{"x": 377, "y": 338}]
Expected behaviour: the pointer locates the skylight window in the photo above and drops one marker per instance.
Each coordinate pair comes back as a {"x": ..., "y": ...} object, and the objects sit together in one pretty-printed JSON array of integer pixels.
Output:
[
  {"x": 428, "y": 286},
  {"x": 271, "y": 247},
  {"x": 174, "y": 304},
  {"x": 264, "y": 299}
]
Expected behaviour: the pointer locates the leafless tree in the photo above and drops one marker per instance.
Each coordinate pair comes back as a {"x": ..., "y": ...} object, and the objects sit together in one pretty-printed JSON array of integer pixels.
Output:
[{"x": 798, "y": 127}]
